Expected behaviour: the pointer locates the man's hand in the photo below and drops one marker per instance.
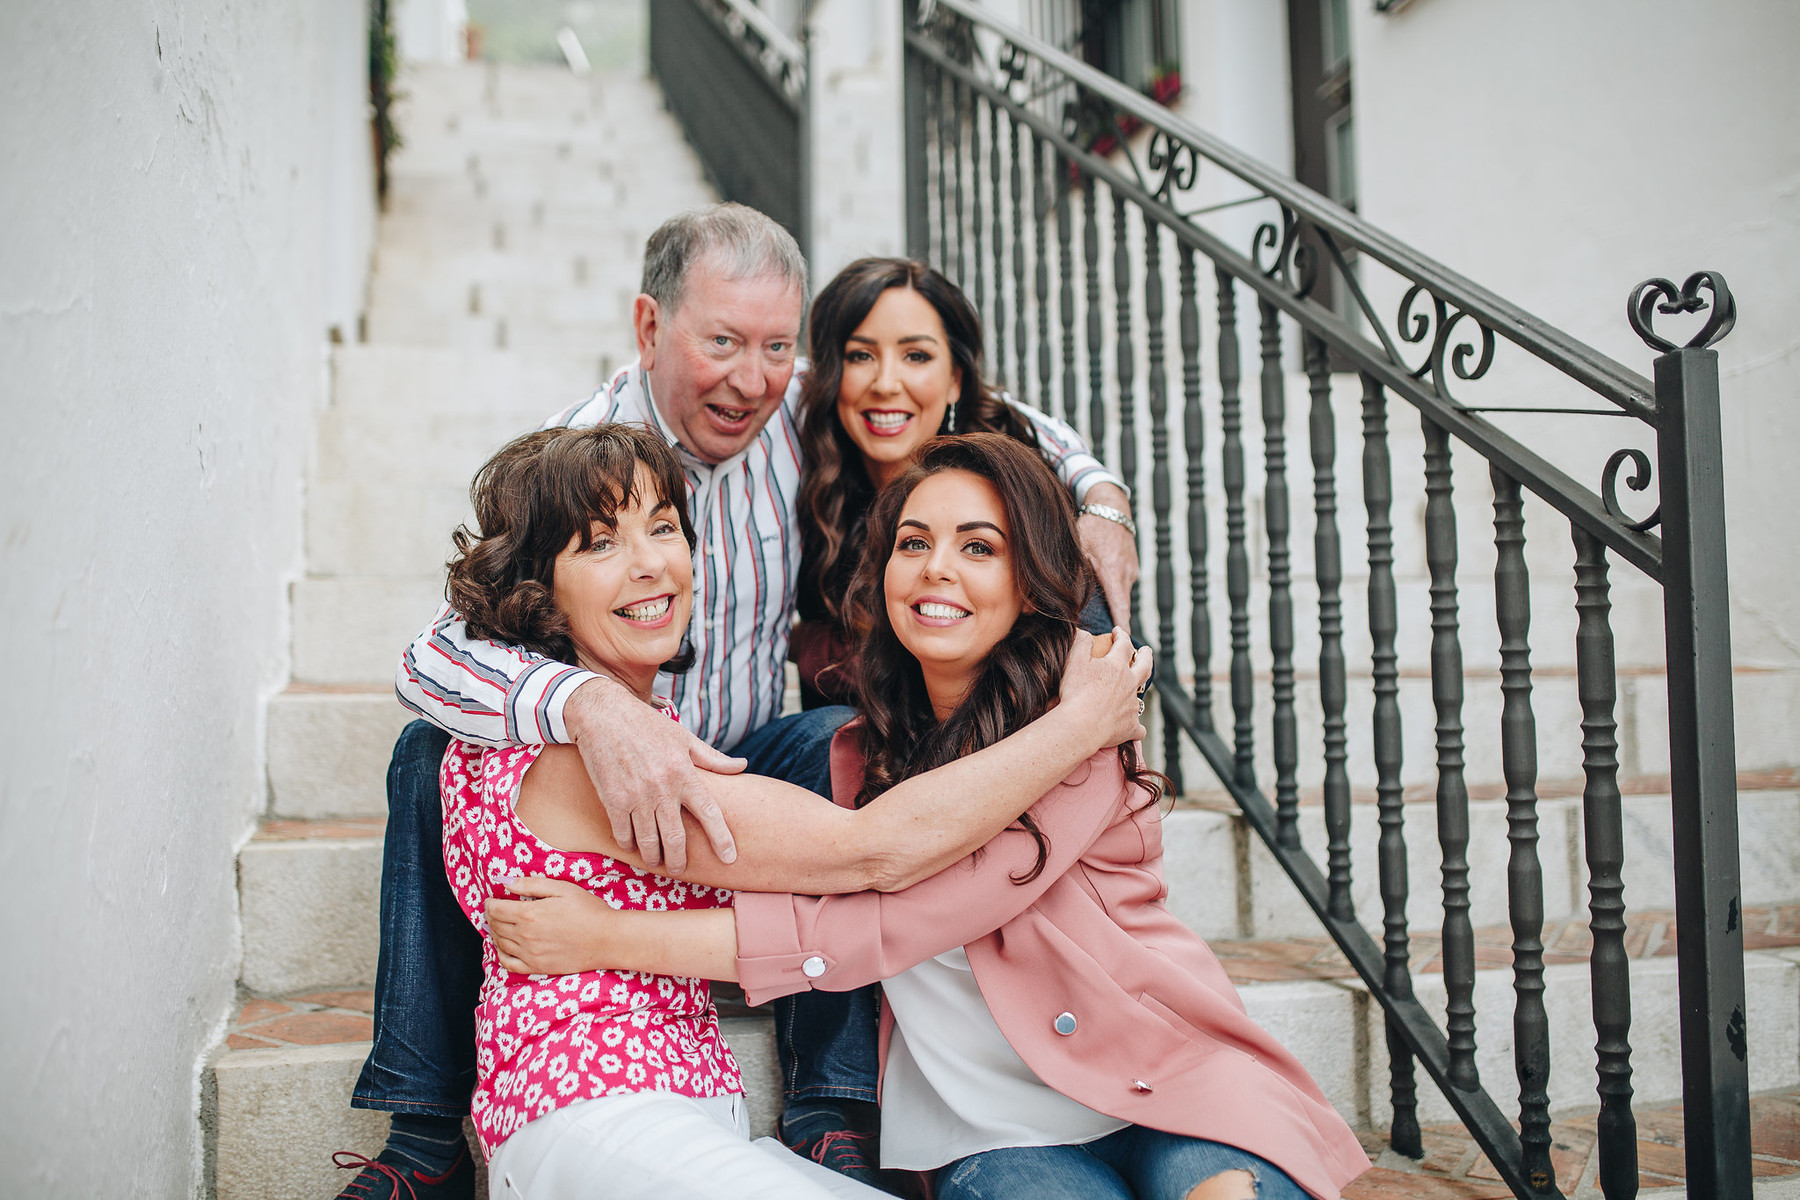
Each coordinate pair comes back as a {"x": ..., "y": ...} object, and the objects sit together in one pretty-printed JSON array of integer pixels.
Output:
[
  {"x": 646, "y": 769},
  {"x": 1110, "y": 549},
  {"x": 555, "y": 931},
  {"x": 1101, "y": 684}
]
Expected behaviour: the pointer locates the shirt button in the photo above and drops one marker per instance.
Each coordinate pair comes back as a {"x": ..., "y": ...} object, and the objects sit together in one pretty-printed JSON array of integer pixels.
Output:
[
  {"x": 813, "y": 967},
  {"x": 1065, "y": 1023}
]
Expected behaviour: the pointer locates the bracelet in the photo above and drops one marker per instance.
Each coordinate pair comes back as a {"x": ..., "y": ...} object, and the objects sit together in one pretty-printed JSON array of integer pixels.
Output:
[{"x": 1107, "y": 512}]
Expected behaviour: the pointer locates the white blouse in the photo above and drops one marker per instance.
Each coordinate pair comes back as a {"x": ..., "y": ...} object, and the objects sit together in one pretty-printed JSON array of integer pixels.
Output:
[{"x": 954, "y": 1086}]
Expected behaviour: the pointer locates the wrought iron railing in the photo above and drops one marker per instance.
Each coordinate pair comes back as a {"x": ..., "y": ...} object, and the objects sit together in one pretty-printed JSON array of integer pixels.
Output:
[
  {"x": 737, "y": 84},
  {"x": 1026, "y": 172}
]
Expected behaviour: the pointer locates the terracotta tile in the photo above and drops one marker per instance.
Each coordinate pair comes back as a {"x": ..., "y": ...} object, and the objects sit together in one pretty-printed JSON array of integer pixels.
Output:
[
  {"x": 1775, "y": 1127},
  {"x": 1445, "y": 1150},
  {"x": 1383, "y": 1183},
  {"x": 238, "y": 1041},
  {"x": 361, "y": 1001},
  {"x": 318, "y": 1028},
  {"x": 257, "y": 1010},
  {"x": 1662, "y": 1159},
  {"x": 289, "y": 831}
]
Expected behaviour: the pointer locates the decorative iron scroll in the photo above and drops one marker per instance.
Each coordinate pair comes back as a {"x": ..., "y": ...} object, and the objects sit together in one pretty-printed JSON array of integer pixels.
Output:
[
  {"x": 1688, "y": 300},
  {"x": 1639, "y": 480}
]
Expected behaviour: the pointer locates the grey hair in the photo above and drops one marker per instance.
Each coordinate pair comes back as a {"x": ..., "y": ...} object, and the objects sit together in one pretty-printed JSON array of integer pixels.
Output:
[{"x": 745, "y": 243}]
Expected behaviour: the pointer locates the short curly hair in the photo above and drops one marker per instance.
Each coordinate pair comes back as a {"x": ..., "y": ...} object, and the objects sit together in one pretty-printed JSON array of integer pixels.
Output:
[{"x": 539, "y": 493}]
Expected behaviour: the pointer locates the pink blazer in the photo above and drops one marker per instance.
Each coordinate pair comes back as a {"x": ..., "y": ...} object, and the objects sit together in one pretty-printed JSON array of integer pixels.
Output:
[{"x": 1103, "y": 993}]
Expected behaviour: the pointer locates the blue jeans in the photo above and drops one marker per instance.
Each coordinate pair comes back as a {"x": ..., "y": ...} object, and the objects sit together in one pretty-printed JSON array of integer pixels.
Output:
[
  {"x": 1133, "y": 1164},
  {"x": 428, "y": 978}
]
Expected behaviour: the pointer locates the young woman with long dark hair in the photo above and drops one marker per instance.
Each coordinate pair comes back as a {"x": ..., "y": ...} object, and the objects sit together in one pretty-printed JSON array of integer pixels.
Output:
[{"x": 1050, "y": 1029}]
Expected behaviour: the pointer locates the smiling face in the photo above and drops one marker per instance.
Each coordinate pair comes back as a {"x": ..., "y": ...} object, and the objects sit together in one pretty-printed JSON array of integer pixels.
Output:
[
  {"x": 950, "y": 590},
  {"x": 719, "y": 363},
  {"x": 898, "y": 379},
  {"x": 628, "y": 596}
]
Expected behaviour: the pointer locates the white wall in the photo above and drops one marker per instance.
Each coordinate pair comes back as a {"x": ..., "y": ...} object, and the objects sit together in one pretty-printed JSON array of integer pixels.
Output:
[
  {"x": 1560, "y": 153},
  {"x": 431, "y": 30},
  {"x": 858, "y": 179},
  {"x": 187, "y": 210}
]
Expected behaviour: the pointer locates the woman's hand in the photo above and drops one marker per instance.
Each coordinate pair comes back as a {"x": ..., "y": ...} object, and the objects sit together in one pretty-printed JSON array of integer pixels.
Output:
[
  {"x": 1100, "y": 687},
  {"x": 558, "y": 930}
]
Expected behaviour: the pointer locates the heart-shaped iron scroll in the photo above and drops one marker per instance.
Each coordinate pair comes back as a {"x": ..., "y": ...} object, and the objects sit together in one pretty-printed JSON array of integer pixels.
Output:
[{"x": 1645, "y": 297}]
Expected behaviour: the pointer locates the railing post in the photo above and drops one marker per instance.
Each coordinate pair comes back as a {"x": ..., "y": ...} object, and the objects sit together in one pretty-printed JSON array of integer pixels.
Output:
[
  {"x": 918, "y": 212},
  {"x": 1702, "y": 746}
]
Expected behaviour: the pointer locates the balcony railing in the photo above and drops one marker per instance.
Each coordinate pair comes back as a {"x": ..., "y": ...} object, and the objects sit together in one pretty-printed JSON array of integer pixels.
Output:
[
  {"x": 737, "y": 84},
  {"x": 1057, "y": 196}
]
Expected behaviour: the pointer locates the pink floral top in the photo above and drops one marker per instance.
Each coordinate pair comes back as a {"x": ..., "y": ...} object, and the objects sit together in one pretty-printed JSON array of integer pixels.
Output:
[{"x": 545, "y": 1041}]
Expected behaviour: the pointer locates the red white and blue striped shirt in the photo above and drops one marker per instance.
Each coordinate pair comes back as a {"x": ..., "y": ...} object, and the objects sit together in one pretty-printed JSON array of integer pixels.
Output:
[{"x": 746, "y": 564}]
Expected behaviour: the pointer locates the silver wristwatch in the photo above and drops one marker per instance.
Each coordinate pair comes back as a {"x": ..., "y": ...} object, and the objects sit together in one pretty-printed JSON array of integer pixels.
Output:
[{"x": 1107, "y": 512}]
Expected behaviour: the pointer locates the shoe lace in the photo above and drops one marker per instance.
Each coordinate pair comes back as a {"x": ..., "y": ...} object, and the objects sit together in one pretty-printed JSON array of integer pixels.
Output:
[
  {"x": 846, "y": 1142},
  {"x": 348, "y": 1160}
]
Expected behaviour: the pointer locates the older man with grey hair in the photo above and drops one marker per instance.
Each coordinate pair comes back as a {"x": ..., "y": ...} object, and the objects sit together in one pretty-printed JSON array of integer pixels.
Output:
[{"x": 716, "y": 329}]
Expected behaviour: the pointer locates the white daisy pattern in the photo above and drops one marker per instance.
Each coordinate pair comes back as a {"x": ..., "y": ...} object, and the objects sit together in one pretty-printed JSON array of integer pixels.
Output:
[{"x": 545, "y": 1041}]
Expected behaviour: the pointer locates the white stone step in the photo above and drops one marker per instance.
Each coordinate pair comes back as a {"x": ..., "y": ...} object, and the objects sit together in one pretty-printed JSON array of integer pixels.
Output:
[
  {"x": 276, "y": 1116},
  {"x": 354, "y": 630},
  {"x": 378, "y": 528},
  {"x": 411, "y": 385},
  {"x": 1224, "y": 883},
  {"x": 308, "y": 896},
  {"x": 1337, "y": 1032},
  {"x": 328, "y": 751}
]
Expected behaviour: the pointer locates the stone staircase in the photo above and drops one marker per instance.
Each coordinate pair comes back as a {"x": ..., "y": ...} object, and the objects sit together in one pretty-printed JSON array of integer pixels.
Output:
[{"x": 506, "y": 265}]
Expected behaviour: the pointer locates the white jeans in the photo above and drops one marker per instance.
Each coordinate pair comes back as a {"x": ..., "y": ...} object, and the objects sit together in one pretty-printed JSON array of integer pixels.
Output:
[{"x": 656, "y": 1146}]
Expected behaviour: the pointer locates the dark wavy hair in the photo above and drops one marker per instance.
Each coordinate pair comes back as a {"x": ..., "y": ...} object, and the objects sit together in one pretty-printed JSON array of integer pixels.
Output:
[
  {"x": 539, "y": 493},
  {"x": 836, "y": 485},
  {"x": 901, "y": 735}
]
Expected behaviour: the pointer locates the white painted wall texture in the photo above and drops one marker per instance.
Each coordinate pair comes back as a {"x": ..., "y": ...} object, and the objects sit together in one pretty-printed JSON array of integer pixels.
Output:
[
  {"x": 187, "y": 210},
  {"x": 1561, "y": 153}
]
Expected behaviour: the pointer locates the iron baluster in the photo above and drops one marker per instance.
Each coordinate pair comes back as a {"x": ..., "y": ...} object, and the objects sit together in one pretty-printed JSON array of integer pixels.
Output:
[
  {"x": 1452, "y": 794},
  {"x": 942, "y": 258},
  {"x": 1328, "y": 569},
  {"x": 1040, "y": 211},
  {"x": 1609, "y": 965},
  {"x": 1124, "y": 366},
  {"x": 1020, "y": 384},
  {"x": 1384, "y": 626},
  {"x": 1065, "y": 280},
  {"x": 977, "y": 264},
  {"x": 1194, "y": 429},
  {"x": 1156, "y": 386},
  {"x": 1237, "y": 554},
  {"x": 1096, "y": 326},
  {"x": 1524, "y": 875},
  {"x": 997, "y": 327},
  {"x": 957, "y": 92},
  {"x": 1284, "y": 737}
]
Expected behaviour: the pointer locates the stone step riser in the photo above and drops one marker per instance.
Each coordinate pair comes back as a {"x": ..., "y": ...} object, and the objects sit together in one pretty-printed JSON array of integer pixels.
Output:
[
  {"x": 1224, "y": 883},
  {"x": 421, "y": 385},
  {"x": 328, "y": 753},
  {"x": 275, "y": 1117},
  {"x": 353, "y": 631},
  {"x": 1338, "y": 1032},
  {"x": 311, "y": 912}
]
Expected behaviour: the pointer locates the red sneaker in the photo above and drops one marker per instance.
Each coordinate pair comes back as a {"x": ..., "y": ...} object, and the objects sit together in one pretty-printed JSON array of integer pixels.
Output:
[{"x": 385, "y": 1178}]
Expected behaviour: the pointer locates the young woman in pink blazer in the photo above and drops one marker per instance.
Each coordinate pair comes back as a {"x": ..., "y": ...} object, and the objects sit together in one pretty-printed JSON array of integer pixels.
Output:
[{"x": 1050, "y": 1029}]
